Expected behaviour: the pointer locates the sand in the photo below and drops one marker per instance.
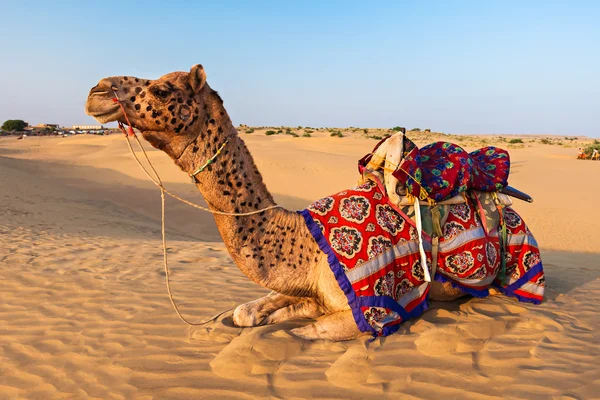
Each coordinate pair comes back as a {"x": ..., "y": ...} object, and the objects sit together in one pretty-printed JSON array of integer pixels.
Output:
[{"x": 85, "y": 314}]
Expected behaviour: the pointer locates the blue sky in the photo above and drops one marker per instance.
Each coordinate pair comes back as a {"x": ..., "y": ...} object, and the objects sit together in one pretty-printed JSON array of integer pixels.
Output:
[{"x": 452, "y": 66}]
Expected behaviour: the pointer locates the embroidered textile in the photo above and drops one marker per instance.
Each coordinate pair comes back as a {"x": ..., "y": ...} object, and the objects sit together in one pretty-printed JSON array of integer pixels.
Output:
[
  {"x": 445, "y": 170},
  {"x": 373, "y": 251}
]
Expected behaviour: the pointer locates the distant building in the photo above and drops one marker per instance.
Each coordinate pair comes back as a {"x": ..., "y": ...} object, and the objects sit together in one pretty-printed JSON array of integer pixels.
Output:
[
  {"x": 87, "y": 127},
  {"x": 45, "y": 126}
]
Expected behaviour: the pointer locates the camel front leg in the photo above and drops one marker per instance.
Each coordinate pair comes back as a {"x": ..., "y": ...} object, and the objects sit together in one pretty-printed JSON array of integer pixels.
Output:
[
  {"x": 255, "y": 312},
  {"x": 305, "y": 308},
  {"x": 338, "y": 326}
]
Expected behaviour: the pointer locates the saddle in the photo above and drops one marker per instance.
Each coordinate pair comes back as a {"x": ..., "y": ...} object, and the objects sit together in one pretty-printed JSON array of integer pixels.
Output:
[{"x": 425, "y": 182}]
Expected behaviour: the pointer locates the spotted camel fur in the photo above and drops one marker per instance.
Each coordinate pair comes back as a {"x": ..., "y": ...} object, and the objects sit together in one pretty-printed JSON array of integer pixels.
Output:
[{"x": 181, "y": 115}]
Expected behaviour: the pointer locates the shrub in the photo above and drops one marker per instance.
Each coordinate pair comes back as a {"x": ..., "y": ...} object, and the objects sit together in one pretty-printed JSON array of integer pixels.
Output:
[
  {"x": 306, "y": 134},
  {"x": 279, "y": 131},
  {"x": 336, "y": 134},
  {"x": 376, "y": 137},
  {"x": 428, "y": 130},
  {"x": 269, "y": 133},
  {"x": 415, "y": 130},
  {"x": 289, "y": 132},
  {"x": 513, "y": 141},
  {"x": 590, "y": 148},
  {"x": 545, "y": 141},
  {"x": 251, "y": 130},
  {"x": 366, "y": 131},
  {"x": 14, "y": 125},
  {"x": 397, "y": 128},
  {"x": 309, "y": 131}
]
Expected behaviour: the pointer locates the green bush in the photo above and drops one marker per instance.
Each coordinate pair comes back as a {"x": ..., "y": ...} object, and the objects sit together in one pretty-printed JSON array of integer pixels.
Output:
[
  {"x": 397, "y": 128},
  {"x": 251, "y": 130},
  {"x": 590, "y": 148},
  {"x": 306, "y": 134},
  {"x": 309, "y": 131},
  {"x": 545, "y": 141},
  {"x": 415, "y": 130},
  {"x": 269, "y": 133},
  {"x": 14, "y": 125},
  {"x": 376, "y": 137},
  {"x": 513, "y": 141},
  {"x": 336, "y": 134}
]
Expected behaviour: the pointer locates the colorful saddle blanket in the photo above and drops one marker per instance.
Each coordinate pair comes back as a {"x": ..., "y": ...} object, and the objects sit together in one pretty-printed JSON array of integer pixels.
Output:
[{"x": 373, "y": 251}]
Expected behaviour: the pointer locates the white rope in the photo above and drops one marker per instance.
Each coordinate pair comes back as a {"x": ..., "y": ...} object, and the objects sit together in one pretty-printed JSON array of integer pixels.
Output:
[
  {"x": 158, "y": 183},
  {"x": 420, "y": 233}
]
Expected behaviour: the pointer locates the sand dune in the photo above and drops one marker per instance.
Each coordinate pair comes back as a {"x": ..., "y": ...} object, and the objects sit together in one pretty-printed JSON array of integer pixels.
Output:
[{"x": 84, "y": 311}]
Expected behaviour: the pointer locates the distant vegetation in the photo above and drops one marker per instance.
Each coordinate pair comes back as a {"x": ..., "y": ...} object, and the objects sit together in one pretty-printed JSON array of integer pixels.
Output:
[
  {"x": 269, "y": 133},
  {"x": 336, "y": 134},
  {"x": 594, "y": 146},
  {"x": 513, "y": 141},
  {"x": 14, "y": 125}
]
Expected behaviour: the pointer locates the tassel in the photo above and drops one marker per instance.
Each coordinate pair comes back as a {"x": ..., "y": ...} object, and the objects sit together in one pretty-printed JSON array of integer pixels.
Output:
[{"x": 436, "y": 217}]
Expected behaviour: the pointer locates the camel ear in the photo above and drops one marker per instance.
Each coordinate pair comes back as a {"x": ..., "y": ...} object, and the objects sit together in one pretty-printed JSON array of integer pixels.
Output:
[{"x": 197, "y": 77}]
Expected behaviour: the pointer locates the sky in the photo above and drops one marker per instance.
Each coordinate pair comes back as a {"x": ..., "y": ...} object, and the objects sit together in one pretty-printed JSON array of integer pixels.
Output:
[{"x": 451, "y": 66}]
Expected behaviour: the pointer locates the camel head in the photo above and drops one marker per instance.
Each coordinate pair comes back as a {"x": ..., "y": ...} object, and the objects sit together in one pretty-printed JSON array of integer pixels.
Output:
[{"x": 167, "y": 111}]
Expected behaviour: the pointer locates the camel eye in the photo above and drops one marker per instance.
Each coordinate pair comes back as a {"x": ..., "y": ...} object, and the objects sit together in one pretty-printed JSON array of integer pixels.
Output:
[{"x": 160, "y": 93}]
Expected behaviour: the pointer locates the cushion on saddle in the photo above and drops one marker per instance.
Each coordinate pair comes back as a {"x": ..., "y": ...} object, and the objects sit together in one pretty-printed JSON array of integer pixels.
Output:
[
  {"x": 373, "y": 251},
  {"x": 444, "y": 170}
]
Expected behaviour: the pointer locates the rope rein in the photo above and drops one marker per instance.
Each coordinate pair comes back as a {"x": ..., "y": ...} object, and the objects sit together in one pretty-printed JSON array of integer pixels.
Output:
[{"x": 158, "y": 182}]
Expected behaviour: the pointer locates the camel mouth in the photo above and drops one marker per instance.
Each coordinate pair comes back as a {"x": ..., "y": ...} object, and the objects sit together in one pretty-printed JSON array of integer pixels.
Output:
[{"x": 101, "y": 106}]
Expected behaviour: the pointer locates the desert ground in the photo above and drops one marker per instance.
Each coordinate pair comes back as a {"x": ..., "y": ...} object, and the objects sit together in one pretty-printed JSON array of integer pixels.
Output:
[{"x": 85, "y": 313}]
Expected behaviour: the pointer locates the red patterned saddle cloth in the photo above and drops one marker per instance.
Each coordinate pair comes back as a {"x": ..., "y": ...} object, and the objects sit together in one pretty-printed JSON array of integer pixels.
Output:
[{"x": 373, "y": 251}]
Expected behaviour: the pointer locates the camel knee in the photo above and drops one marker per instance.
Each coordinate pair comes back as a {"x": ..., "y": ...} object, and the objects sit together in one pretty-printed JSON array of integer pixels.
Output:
[{"x": 244, "y": 316}]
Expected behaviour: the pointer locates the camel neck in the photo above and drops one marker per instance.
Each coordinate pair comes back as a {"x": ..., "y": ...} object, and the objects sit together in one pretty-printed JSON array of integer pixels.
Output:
[{"x": 265, "y": 246}]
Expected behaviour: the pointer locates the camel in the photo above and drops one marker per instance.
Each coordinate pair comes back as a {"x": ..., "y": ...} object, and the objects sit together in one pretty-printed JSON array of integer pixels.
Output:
[
  {"x": 180, "y": 114},
  {"x": 581, "y": 155}
]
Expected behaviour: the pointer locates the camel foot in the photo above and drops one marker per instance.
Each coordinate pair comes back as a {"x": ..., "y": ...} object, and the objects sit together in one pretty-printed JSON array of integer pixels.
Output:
[{"x": 337, "y": 327}]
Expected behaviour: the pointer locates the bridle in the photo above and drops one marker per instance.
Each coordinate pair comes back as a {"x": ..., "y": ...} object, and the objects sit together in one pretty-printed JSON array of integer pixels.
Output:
[{"x": 158, "y": 182}]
